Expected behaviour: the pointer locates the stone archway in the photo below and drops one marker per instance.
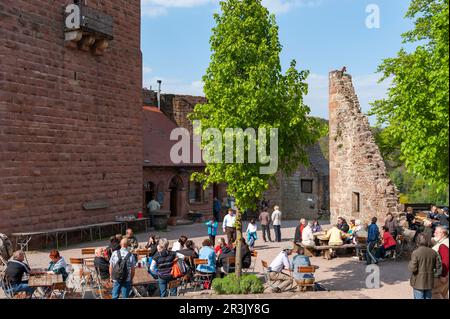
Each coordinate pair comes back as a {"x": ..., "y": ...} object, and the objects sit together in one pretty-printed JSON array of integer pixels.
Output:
[{"x": 175, "y": 188}]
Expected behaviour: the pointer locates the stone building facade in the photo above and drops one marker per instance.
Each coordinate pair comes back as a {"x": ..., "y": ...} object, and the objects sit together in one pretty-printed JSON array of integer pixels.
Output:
[
  {"x": 305, "y": 192},
  {"x": 359, "y": 185},
  {"x": 70, "y": 118},
  {"x": 163, "y": 180},
  {"x": 301, "y": 194}
]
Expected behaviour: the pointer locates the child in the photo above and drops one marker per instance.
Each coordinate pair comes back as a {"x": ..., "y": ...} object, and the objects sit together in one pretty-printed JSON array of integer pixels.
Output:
[
  {"x": 212, "y": 229},
  {"x": 251, "y": 233}
]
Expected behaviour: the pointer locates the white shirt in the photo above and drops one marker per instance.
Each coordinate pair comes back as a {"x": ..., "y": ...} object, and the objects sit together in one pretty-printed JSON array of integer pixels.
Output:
[
  {"x": 443, "y": 241},
  {"x": 228, "y": 221},
  {"x": 280, "y": 262},
  {"x": 276, "y": 218},
  {"x": 251, "y": 228},
  {"x": 154, "y": 205},
  {"x": 176, "y": 246},
  {"x": 307, "y": 236}
]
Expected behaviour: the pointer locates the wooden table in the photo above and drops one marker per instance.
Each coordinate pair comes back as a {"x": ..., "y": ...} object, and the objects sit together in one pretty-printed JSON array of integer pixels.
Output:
[
  {"x": 44, "y": 280},
  {"x": 142, "y": 277}
]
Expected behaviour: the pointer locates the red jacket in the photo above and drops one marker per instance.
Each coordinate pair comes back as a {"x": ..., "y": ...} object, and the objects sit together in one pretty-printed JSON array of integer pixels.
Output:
[
  {"x": 388, "y": 240},
  {"x": 443, "y": 252}
]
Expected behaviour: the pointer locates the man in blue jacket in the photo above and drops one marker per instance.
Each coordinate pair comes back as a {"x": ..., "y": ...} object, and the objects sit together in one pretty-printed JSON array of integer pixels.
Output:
[{"x": 372, "y": 239}]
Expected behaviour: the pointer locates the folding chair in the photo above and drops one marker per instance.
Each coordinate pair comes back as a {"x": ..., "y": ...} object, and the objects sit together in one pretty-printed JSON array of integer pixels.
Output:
[
  {"x": 272, "y": 283},
  {"x": 87, "y": 251},
  {"x": 78, "y": 285},
  {"x": 200, "y": 278},
  {"x": 175, "y": 284},
  {"x": 231, "y": 263},
  {"x": 58, "y": 291},
  {"x": 6, "y": 286},
  {"x": 253, "y": 264},
  {"x": 304, "y": 284}
]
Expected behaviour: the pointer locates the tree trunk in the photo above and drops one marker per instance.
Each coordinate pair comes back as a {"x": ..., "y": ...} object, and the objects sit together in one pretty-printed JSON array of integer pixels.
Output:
[{"x": 238, "y": 223}]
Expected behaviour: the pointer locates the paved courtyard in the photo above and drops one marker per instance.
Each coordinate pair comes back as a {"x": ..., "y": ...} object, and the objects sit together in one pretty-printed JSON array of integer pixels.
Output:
[{"x": 345, "y": 277}]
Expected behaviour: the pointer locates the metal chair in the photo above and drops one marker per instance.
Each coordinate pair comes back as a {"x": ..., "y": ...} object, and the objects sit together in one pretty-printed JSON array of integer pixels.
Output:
[
  {"x": 6, "y": 286},
  {"x": 269, "y": 282},
  {"x": 82, "y": 282},
  {"x": 231, "y": 263},
  {"x": 200, "y": 278},
  {"x": 175, "y": 284},
  {"x": 253, "y": 263},
  {"x": 304, "y": 284},
  {"x": 58, "y": 291}
]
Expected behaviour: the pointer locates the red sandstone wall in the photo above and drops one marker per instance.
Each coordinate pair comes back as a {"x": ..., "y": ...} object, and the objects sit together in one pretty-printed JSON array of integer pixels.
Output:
[{"x": 70, "y": 122}]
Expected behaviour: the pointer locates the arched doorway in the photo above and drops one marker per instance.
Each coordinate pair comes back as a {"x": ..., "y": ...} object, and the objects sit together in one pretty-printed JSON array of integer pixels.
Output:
[{"x": 175, "y": 187}]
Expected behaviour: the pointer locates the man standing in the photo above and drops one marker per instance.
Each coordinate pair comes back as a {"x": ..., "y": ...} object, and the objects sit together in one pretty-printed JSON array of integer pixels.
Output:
[
  {"x": 264, "y": 219},
  {"x": 373, "y": 236},
  {"x": 121, "y": 270},
  {"x": 440, "y": 289},
  {"x": 276, "y": 220},
  {"x": 152, "y": 206},
  {"x": 424, "y": 265},
  {"x": 229, "y": 227}
]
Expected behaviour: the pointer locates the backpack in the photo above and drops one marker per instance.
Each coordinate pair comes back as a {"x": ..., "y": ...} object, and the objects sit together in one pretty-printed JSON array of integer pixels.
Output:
[
  {"x": 120, "y": 269},
  {"x": 6, "y": 248}
]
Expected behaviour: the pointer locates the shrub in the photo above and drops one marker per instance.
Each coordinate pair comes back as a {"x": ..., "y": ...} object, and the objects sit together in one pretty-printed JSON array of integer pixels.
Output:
[{"x": 230, "y": 285}]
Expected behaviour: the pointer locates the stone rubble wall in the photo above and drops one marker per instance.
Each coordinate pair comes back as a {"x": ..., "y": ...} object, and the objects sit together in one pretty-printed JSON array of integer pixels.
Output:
[{"x": 356, "y": 164}]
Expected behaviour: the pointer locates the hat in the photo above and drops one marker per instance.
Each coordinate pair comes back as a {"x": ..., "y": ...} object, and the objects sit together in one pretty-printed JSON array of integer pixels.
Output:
[
  {"x": 445, "y": 209},
  {"x": 287, "y": 247}
]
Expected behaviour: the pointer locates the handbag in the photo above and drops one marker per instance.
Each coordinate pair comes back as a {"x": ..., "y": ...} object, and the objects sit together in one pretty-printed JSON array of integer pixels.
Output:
[{"x": 176, "y": 271}]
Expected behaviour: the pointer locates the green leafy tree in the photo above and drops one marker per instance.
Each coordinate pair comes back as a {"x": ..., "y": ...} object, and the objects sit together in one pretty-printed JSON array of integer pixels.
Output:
[
  {"x": 245, "y": 88},
  {"x": 416, "y": 110}
]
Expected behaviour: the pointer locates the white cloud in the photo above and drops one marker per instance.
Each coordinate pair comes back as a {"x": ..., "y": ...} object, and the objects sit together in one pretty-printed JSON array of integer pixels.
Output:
[
  {"x": 175, "y": 86},
  {"x": 366, "y": 87},
  {"x": 147, "y": 70},
  {"x": 283, "y": 6},
  {"x": 154, "y": 8}
]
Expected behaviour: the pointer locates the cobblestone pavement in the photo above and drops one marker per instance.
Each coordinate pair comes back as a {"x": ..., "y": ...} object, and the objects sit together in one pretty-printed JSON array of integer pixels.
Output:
[{"x": 345, "y": 277}]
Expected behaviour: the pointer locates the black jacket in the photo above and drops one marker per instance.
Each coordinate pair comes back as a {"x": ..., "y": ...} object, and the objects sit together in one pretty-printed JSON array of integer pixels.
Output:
[
  {"x": 102, "y": 266},
  {"x": 15, "y": 270},
  {"x": 298, "y": 235}
]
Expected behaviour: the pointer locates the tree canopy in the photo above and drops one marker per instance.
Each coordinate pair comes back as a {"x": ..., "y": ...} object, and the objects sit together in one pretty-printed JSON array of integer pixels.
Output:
[
  {"x": 415, "y": 112},
  {"x": 245, "y": 88}
]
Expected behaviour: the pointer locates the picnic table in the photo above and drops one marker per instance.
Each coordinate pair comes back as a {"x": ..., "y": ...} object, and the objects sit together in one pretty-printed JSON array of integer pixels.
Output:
[
  {"x": 23, "y": 238},
  {"x": 45, "y": 280},
  {"x": 142, "y": 277}
]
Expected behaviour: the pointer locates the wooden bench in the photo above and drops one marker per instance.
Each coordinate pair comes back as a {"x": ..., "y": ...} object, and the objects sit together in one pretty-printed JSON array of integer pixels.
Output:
[{"x": 325, "y": 249}]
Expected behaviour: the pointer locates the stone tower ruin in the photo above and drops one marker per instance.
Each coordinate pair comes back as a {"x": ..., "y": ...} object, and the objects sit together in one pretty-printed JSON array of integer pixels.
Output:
[{"x": 359, "y": 185}]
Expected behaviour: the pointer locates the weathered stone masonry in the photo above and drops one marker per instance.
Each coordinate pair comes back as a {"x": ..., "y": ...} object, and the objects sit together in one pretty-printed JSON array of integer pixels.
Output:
[
  {"x": 70, "y": 121},
  {"x": 359, "y": 184}
]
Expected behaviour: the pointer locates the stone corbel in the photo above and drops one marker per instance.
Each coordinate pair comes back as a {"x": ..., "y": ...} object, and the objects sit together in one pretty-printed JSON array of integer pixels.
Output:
[
  {"x": 86, "y": 42},
  {"x": 100, "y": 46},
  {"x": 71, "y": 38}
]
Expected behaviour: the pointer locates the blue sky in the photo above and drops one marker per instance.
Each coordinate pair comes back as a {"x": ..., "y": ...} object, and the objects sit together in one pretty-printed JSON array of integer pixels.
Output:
[{"x": 322, "y": 35}]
